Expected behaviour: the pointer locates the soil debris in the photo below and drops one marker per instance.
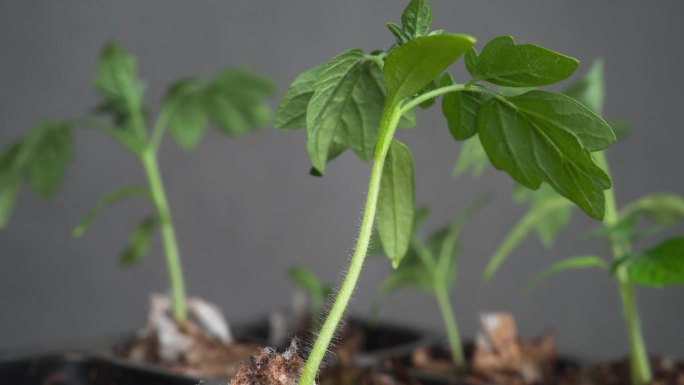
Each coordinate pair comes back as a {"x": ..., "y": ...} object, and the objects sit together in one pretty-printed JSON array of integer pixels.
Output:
[
  {"x": 504, "y": 359},
  {"x": 202, "y": 346},
  {"x": 268, "y": 367}
]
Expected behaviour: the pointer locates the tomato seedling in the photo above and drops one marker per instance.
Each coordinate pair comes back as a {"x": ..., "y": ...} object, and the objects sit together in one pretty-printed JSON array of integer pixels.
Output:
[
  {"x": 234, "y": 100},
  {"x": 357, "y": 100},
  {"x": 549, "y": 213}
]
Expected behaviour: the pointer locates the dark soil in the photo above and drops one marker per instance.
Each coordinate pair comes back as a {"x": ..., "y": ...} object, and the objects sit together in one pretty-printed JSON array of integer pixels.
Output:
[
  {"x": 665, "y": 372},
  {"x": 436, "y": 364},
  {"x": 207, "y": 357}
]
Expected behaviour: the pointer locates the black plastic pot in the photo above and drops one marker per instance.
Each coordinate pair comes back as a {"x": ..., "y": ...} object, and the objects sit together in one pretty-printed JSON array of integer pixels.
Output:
[{"x": 80, "y": 368}]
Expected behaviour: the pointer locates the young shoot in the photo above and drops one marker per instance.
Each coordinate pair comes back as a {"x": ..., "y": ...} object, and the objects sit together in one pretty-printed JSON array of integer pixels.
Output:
[
  {"x": 317, "y": 290},
  {"x": 234, "y": 100},
  {"x": 431, "y": 264},
  {"x": 658, "y": 265},
  {"x": 357, "y": 100}
]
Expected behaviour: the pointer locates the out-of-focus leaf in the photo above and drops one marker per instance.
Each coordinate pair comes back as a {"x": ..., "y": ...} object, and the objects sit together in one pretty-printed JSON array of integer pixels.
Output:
[
  {"x": 140, "y": 241},
  {"x": 573, "y": 263},
  {"x": 109, "y": 200}
]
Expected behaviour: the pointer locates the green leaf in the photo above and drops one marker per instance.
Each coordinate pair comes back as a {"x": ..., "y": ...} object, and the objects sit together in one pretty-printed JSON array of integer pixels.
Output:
[
  {"x": 109, "y": 200},
  {"x": 140, "y": 241},
  {"x": 292, "y": 109},
  {"x": 590, "y": 89},
  {"x": 236, "y": 101},
  {"x": 460, "y": 110},
  {"x": 396, "y": 202},
  {"x": 521, "y": 229},
  {"x": 621, "y": 128},
  {"x": 346, "y": 107},
  {"x": 188, "y": 119},
  {"x": 472, "y": 157},
  {"x": 417, "y": 18},
  {"x": 10, "y": 180},
  {"x": 9, "y": 191},
  {"x": 408, "y": 119},
  {"x": 308, "y": 282},
  {"x": 399, "y": 34},
  {"x": 663, "y": 209},
  {"x": 505, "y": 63},
  {"x": 660, "y": 266},
  {"x": 547, "y": 228},
  {"x": 568, "y": 264},
  {"x": 621, "y": 229},
  {"x": 411, "y": 67},
  {"x": 543, "y": 136},
  {"x": 116, "y": 79},
  {"x": 49, "y": 150},
  {"x": 416, "y": 278}
]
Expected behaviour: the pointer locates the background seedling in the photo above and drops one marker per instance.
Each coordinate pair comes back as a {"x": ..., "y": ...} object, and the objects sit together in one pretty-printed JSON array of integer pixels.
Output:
[
  {"x": 431, "y": 265},
  {"x": 657, "y": 266},
  {"x": 357, "y": 100},
  {"x": 234, "y": 100},
  {"x": 317, "y": 290}
]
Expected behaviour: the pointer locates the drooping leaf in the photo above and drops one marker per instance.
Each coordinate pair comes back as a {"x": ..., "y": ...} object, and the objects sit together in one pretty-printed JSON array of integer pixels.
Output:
[
  {"x": 590, "y": 89},
  {"x": 660, "y": 266},
  {"x": 460, "y": 110},
  {"x": 543, "y": 136},
  {"x": 292, "y": 110},
  {"x": 411, "y": 67},
  {"x": 48, "y": 150},
  {"x": 346, "y": 104},
  {"x": 140, "y": 241},
  {"x": 236, "y": 101},
  {"x": 505, "y": 63},
  {"x": 116, "y": 79},
  {"x": 521, "y": 229},
  {"x": 109, "y": 200},
  {"x": 663, "y": 209},
  {"x": 417, "y": 18},
  {"x": 583, "y": 262},
  {"x": 345, "y": 108},
  {"x": 396, "y": 202},
  {"x": 188, "y": 118},
  {"x": 472, "y": 157}
]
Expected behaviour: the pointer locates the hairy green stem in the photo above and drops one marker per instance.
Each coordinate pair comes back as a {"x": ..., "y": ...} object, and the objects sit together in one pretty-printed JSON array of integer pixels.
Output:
[
  {"x": 388, "y": 124},
  {"x": 450, "y": 324},
  {"x": 149, "y": 162},
  {"x": 639, "y": 364}
]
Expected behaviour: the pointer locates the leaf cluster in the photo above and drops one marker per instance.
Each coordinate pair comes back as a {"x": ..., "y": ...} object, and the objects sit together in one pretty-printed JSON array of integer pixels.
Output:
[
  {"x": 549, "y": 213},
  {"x": 234, "y": 100},
  {"x": 534, "y": 135},
  {"x": 659, "y": 265}
]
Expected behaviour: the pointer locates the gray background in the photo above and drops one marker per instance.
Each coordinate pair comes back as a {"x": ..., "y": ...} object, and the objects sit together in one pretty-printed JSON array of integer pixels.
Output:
[{"x": 246, "y": 209}]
